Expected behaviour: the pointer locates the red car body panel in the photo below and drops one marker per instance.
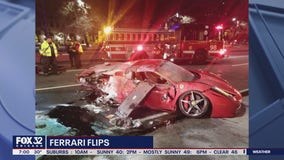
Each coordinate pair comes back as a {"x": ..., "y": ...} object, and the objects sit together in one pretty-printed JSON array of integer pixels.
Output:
[
  {"x": 222, "y": 107},
  {"x": 166, "y": 95},
  {"x": 162, "y": 97}
]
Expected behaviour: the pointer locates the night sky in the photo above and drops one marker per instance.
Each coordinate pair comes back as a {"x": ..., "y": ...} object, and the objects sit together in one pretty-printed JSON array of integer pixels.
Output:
[
  {"x": 147, "y": 13},
  {"x": 151, "y": 13}
]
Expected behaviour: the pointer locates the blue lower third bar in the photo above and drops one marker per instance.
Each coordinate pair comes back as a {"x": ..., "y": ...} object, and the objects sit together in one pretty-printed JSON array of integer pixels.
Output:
[
  {"x": 266, "y": 151},
  {"x": 103, "y": 142}
]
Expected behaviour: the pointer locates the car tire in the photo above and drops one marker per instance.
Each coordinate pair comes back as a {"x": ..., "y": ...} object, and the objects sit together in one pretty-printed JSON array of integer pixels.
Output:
[
  {"x": 200, "y": 56},
  {"x": 193, "y": 104}
]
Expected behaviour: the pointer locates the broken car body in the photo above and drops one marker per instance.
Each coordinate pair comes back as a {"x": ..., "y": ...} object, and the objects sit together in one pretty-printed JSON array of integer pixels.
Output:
[{"x": 161, "y": 85}]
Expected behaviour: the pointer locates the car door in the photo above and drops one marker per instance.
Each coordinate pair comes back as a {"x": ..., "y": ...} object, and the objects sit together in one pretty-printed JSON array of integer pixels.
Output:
[{"x": 162, "y": 95}]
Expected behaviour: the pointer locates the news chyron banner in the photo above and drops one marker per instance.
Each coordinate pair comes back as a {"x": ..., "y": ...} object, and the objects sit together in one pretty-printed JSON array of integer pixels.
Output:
[
  {"x": 116, "y": 145},
  {"x": 104, "y": 145}
]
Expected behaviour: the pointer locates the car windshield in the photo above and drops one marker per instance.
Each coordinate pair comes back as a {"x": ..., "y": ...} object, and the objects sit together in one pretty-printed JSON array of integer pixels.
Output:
[{"x": 175, "y": 73}]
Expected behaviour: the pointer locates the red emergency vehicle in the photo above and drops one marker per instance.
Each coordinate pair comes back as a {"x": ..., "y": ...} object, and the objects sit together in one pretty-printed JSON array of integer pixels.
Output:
[
  {"x": 200, "y": 51},
  {"x": 121, "y": 43}
]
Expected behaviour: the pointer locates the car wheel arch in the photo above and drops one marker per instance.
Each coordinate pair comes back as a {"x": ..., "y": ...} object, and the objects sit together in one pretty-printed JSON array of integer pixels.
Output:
[{"x": 205, "y": 115}]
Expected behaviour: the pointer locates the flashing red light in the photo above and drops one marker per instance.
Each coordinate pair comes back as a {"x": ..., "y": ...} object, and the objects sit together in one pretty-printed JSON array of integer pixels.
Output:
[{"x": 139, "y": 48}]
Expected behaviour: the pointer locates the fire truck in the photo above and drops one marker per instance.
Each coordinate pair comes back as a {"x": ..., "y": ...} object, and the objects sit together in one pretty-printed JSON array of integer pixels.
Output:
[
  {"x": 200, "y": 52},
  {"x": 121, "y": 43}
]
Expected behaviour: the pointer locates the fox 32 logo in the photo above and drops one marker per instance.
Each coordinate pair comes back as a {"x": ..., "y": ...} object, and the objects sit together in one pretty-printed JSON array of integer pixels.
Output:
[{"x": 26, "y": 142}]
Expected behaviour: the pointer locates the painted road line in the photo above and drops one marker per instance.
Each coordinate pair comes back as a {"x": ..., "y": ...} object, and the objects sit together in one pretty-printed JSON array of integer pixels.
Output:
[
  {"x": 154, "y": 116},
  {"x": 57, "y": 87},
  {"x": 242, "y": 64},
  {"x": 244, "y": 92},
  {"x": 74, "y": 70},
  {"x": 239, "y": 56}
]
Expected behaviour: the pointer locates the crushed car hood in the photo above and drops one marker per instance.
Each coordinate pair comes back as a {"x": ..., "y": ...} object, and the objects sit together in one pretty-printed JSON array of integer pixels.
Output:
[{"x": 107, "y": 68}]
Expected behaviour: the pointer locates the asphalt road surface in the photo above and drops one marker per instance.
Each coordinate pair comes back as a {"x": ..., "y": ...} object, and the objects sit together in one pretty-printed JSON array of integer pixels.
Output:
[{"x": 176, "y": 132}]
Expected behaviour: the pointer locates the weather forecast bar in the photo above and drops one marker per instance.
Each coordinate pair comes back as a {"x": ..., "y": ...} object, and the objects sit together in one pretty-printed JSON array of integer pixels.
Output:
[{"x": 130, "y": 152}]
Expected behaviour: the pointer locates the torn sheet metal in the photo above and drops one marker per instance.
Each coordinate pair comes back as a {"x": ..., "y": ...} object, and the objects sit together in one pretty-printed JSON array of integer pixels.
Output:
[{"x": 134, "y": 98}]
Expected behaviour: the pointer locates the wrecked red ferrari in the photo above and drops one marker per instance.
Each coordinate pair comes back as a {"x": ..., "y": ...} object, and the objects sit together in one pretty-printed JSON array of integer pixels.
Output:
[{"x": 162, "y": 85}]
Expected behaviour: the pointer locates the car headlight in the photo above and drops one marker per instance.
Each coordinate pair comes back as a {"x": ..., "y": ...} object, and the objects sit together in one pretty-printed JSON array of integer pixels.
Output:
[
  {"x": 222, "y": 51},
  {"x": 224, "y": 93}
]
